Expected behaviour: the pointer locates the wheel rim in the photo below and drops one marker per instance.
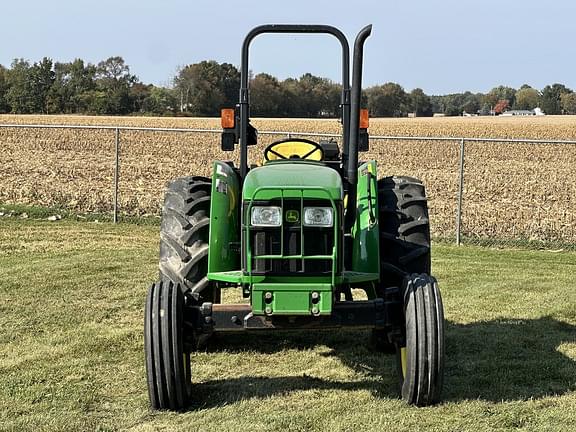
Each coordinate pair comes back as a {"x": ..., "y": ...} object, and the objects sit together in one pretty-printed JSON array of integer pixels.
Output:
[{"x": 403, "y": 361}]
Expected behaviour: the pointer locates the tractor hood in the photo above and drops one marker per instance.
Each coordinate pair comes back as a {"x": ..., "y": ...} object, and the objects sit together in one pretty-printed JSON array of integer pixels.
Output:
[{"x": 289, "y": 174}]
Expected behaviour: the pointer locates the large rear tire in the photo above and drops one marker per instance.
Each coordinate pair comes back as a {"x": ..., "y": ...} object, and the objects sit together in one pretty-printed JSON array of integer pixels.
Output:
[
  {"x": 167, "y": 362},
  {"x": 404, "y": 229},
  {"x": 404, "y": 239},
  {"x": 421, "y": 357},
  {"x": 184, "y": 238}
]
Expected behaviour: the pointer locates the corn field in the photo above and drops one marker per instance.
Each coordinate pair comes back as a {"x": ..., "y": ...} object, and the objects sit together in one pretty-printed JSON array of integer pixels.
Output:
[{"x": 511, "y": 192}]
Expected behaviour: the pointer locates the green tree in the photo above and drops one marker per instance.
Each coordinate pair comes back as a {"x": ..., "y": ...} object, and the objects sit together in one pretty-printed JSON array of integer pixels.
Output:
[
  {"x": 138, "y": 94},
  {"x": 230, "y": 84},
  {"x": 29, "y": 86},
  {"x": 20, "y": 95},
  {"x": 70, "y": 82},
  {"x": 160, "y": 101},
  {"x": 205, "y": 87},
  {"x": 472, "y": 103},
  {"x": 437, "y": 103},
  {"x": 457, "y": 103},
  {"x": 266, "y": 96},
  {"x": 308, "y": 100},
  {"x": 317, "y": 96},
  {"x": 59, "y": 96},
  {"x": 527, "y": 98},
  {"x": 4, "y": 106},
  {"x": 41, "y": 78},
  {"x": 388, "y": 100},
  {"x": 551, "y": 101},
  {"x": 500, "y": 93},
  {"x": 419, "y": 103},
  {"x": 114, "y": 79},
  {"x": 453, "y": 104},
  {"x": 568, "y": 101},
  {"x": 93, "y": 102},
  {"x": 328, "y": 94},
  {"x": 485, "y": 110},
  {"x": 291, "y": 105}
]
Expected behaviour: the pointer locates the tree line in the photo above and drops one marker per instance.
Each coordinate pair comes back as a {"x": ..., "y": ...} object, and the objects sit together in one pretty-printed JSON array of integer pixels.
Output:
[{"x": 201, "y": 89}]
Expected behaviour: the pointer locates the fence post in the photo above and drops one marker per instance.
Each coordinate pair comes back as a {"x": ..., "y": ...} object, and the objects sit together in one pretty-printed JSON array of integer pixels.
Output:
[
  {"x": 288, "y": 135},
  {"x": 460, "y": 193},
  {"x": 116, "y": 172}
]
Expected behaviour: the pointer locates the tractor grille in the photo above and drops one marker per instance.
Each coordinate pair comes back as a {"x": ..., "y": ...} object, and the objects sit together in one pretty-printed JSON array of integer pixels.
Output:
[{"x": 296, "y": 249}]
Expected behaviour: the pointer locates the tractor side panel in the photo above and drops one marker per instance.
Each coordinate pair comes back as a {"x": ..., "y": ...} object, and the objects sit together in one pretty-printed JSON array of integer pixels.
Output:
[
  {"x": 366, "y": 253},
  {"x": 224, "y": 243}
]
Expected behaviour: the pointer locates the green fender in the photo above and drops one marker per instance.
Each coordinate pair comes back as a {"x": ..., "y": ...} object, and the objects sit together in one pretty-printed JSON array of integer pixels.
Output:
[
  {"x": 224, "y": 237},
  {"x": 366, "y": 233}
]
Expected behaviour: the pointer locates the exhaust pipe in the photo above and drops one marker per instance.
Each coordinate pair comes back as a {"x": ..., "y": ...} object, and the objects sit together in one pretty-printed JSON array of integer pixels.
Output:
[{"x": 352, "y": 167}]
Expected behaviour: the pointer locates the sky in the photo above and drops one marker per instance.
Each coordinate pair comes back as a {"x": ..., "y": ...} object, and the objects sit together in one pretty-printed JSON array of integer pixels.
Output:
[{"x": 442, "y": 47}]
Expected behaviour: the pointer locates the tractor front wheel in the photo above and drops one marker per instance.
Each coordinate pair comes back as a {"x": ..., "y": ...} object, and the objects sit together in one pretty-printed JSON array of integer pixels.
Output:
[
  {"x": 421, "y": 356},
  {"x": 167, "y": 362},
  {"x": 404, "y": 239}
]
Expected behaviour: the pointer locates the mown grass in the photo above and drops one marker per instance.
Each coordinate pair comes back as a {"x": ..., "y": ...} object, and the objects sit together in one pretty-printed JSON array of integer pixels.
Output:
[
  {"x": 71, "y": 348},
  {"x": 19, "y": 211}
]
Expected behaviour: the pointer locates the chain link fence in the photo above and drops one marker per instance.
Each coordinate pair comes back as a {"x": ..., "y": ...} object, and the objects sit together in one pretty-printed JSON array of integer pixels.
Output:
[{"x": 481, "y": 191}]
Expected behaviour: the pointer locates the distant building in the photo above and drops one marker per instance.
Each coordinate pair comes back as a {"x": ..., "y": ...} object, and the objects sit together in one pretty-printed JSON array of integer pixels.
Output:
[
  {"x": 518, "y": 113},
  {"x": 535, "y": 111}
]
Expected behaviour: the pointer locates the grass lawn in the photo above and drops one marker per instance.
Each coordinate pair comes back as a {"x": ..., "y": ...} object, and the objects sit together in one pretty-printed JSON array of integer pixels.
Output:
[{"x": 71, "y": 346}]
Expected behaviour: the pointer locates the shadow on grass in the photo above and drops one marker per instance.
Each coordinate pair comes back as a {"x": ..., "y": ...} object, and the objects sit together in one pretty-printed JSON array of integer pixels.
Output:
[
  {"x": 217, "y": 393},
  {"x": 509, "y": 359},
  {"x": 490, "y": 360}
]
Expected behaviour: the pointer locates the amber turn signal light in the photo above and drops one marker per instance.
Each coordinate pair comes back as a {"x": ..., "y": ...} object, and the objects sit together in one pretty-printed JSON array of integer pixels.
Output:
[
  {"x": 364, "y": 119},
  {"x": 228, "y": 118}
]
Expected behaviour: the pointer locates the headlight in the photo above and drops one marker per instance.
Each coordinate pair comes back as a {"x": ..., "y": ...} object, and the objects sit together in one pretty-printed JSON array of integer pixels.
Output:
[
  {"x": 266, "y": 216},
  {"x": 318, "y": 216}
]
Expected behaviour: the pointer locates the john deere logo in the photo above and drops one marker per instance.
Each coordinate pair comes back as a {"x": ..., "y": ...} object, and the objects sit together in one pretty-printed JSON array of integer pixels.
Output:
[{"x": 292, "y": 216}]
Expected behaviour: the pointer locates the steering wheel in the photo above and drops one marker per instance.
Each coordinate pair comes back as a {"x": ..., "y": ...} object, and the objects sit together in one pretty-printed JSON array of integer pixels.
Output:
[{"x": 294, "y": 149}]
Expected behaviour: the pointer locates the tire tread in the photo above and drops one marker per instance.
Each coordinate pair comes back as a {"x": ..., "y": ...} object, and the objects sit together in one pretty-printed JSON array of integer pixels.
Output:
[
  {"x": 166, "y": 360},
  {"x": 184, "y": 233},
  {"x": 422, "y": 384}
]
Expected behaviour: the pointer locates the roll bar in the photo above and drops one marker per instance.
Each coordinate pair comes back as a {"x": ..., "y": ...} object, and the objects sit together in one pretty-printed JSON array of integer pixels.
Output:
[
  {"x": 244, "y": 93},
  {"x": 350, "y": 105}
]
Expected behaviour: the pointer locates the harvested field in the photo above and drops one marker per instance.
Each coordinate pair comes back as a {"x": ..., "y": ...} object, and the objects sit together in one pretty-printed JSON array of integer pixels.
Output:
[{"x": 511, "y": 191}]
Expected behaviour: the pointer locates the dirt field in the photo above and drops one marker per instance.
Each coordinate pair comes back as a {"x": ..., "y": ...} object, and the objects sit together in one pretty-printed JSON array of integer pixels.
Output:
[{"x": 511, "y": 191}]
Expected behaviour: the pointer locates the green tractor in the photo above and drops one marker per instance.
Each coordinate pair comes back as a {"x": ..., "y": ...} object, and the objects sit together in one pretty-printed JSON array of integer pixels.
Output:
[{"x": 297, "y": 235}]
